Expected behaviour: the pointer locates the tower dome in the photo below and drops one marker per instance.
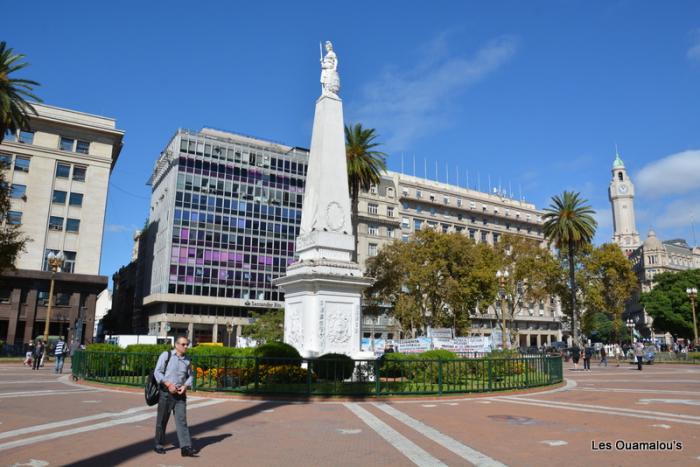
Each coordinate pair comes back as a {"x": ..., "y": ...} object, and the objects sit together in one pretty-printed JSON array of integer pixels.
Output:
[{"x": 652, "y": 242}]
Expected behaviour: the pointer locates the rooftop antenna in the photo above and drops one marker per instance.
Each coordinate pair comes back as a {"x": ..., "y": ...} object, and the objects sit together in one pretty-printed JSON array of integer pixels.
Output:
[{"x": 489, "y": 183}]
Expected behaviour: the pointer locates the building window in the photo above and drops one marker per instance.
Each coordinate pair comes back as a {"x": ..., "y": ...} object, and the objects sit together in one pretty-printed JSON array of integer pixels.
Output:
[
  {"x": 404, "y": 238},
  {"x": 10, "y": 136},
  {"x": 66, "y": 144},
  {"x": 419, "y": 194},
  {"x": 82, "y": 147},
  {"x": 5, "y": 160},
  {"x": 459, "y": 202},
  {"x": 405, "y": 223},
  {"x": 472, "y": 234},
  {"x": 59, "y": 197},
  {"x": 55, "y": 223},
  {"x": 446, "y": 199},
  {"x": 26, "y": 137},
  {"x": 495, "y": 238},
  {"x": 62, "y": 170},
  {"x": 372, "y": 208},
  {"x": 416, "y": 224},
  {"x": 79, "y": 173},
  {"x": 390, "y": 232},
  {"x": 373, "y": 189},
  {"x": 76, "y": 199},
  {"x": 72, "y": 225},
  {"x": 68, "y": 263},
  {"x": 22, "y": 164},
  {"x": 389, "y": 211},
  {"x": 372, "y": 249},
  {"x": 484, "y": 237},
  {"x": 18, "y": 191},
  {"x": 14, "y": 217},
  {"x": 390, "y": 192},
  {"x": 373, "y": 229}
]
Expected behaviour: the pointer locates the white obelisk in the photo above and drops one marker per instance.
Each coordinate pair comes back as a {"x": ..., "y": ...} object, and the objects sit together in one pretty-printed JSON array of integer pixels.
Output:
[{"x": 323, "y": 289}]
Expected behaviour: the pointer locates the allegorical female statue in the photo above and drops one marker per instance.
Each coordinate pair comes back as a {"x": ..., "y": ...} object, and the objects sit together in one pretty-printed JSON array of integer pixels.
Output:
[{"x": 330, "y": 81}]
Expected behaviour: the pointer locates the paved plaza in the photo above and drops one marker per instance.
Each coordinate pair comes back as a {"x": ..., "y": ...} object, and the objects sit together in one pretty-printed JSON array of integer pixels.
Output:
[{"x": 594, "y": 419}]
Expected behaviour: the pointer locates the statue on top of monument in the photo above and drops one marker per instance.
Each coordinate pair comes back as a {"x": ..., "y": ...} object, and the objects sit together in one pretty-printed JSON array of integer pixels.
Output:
[{"x": 330, "y": 81}]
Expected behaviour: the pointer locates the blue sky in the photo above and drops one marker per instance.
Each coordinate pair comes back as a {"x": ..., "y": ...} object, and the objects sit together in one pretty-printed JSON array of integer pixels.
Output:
[{"x": 533, "y": 94}]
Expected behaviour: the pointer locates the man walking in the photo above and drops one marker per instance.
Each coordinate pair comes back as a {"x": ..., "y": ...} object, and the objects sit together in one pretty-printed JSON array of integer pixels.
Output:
[
  {"x": 38, "y": 354},
  {"x": 174, "y": 374},
  {"x": 603, "y": 357},
  {"x": 59, "y": 353},
  {"x": 639, "y": 354}
]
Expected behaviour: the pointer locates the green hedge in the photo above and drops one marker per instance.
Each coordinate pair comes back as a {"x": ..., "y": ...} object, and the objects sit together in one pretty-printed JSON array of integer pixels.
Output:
[
  {"x": 212, "y": 356},
  {"x": 278, "y": 353},
  {"x": 148, "y": 348},
  {"x": 333, "y": 366},
  {"x": 98, "y": 365}
]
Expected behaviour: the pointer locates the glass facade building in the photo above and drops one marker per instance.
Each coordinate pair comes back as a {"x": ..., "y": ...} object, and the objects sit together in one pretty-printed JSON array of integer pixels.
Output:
[{"x": 225, "y": 214}]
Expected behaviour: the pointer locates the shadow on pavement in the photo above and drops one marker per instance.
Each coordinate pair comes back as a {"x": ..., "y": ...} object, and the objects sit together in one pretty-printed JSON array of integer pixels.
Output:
[{"x": 125, "y": 453}]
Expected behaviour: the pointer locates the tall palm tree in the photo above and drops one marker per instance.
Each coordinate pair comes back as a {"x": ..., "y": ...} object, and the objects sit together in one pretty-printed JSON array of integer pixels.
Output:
[
  {"x": 365, "y": 166},
  {"x": 14, "y": 109},
  {"x": 570, "y": 225}
]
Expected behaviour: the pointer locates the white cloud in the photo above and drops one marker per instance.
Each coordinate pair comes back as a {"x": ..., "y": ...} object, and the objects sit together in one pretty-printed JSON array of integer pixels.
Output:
[
  {"x": 679, "y": 213},
  {"x": 694, "y": 51},
  {"x": 119, "y": 228},
  {"x": 603, "y": 217},
  {"x": 409, "y": 103},
  {"x": 673, "y": 175}
]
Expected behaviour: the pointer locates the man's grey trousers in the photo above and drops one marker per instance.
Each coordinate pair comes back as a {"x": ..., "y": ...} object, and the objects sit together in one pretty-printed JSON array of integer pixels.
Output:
[{"x": 172, "y": 403}]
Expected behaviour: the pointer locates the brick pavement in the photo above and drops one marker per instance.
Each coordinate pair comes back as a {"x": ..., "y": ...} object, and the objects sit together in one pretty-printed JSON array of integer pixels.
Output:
[{"x": 46, "y": 419}]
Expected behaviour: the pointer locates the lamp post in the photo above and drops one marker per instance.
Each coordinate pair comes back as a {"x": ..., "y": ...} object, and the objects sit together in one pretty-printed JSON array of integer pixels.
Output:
[
  {"x": 630, "y": 326},
  {"x": 693, "y": 295},
  {"x": 229, "y": 330},
  {"x": 502, "y": 276},
  {"x": 55, "y": 263}
]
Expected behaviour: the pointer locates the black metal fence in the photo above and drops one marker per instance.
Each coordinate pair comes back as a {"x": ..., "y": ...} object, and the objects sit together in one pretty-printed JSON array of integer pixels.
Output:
[{"x": 341, "y": 377}]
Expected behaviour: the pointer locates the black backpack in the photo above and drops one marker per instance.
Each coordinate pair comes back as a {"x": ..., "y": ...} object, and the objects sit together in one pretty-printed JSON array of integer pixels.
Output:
[{"x": 151, "y": 390}]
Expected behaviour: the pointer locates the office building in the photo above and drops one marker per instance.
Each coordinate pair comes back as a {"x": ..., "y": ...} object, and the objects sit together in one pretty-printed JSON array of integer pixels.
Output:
[{"x": 58, "y": 173}]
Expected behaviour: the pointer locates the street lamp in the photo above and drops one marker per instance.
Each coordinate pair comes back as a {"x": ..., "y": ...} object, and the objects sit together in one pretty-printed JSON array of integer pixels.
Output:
[
  {"x": 630, "y": 326},
  {"x": 502, "y": 276},
  {"x": 229, "y": 330},
  {"x": 55, "y": 263},
  {"x": 693, "y": 295}
]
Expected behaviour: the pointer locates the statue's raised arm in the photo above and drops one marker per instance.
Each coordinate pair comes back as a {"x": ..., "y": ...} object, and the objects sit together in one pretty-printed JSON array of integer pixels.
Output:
[{"x": 330, "y": 80}]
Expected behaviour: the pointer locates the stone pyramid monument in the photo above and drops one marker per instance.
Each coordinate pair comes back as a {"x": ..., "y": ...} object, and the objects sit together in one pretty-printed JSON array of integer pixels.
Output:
[{"x": 323, "y": 289}]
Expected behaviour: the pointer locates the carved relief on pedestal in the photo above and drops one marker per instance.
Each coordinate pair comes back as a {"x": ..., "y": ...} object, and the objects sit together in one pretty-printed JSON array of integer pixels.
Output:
[
  {"x": 338, "y": 324},
  {"x": 335, "y": 216},
  {"x": 295, "y": 333}
]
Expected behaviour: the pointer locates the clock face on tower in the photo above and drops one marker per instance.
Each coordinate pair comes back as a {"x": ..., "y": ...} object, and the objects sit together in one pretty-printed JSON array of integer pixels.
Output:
[{"x": 622, "y": 189}]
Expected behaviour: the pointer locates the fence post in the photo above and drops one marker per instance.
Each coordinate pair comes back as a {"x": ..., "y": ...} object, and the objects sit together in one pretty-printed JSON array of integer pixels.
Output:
[
  {"x": 257, "y": 373},
  {"x": 377, "y": 377},
  {"x": 489, "y": 373},
  {"x": 439, "y": 377},
  {"x": 309, "y": 367}
]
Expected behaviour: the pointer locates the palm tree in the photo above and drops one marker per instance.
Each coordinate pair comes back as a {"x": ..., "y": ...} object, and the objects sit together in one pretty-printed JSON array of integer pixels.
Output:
[
  {"x": 365, "y": 166},
  {"x": 570, "y": 225},
  {"x": 14, "y": 109}
]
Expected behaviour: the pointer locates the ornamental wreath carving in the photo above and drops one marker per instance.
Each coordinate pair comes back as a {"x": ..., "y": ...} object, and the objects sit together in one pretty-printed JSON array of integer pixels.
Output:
[{"x": 338, "y": 325}]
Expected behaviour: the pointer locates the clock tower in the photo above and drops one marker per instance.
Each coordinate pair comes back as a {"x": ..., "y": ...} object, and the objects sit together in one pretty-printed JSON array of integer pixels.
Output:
[{"x": 621, "y": 194}]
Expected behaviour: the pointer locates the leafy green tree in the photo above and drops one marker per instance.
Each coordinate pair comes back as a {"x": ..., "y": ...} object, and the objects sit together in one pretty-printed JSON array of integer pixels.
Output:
[
  {"x": 668, "y": 302},
  {"x": 607, "y": 284},
  {"x": 600, "y": 327},
  {"x": 267, "y": 326},
  {"x": 365, "y": 166},
  {"x": 569, "y": 224},
  {"x": 531, "y": 272},
  {"x": 12, "y": 240},
  {"x": 14, "y": 109},
  {"x": 435, "y": 280}
]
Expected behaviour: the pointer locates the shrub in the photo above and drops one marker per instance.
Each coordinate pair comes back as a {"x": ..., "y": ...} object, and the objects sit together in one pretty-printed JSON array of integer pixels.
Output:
[
  {"x": 283, "y": 374},
  {"x": 334, "y": 366},
  {"x": 103, "y": 365},
  {"x": 438, "y": 354},
  {"x": 397, "y": 365},
  {"x": 142, "y": 358},
  {"x": 148, "y": 348},
  {"x": 209, "y": 356},
  {"x": 277, "y": 353}
]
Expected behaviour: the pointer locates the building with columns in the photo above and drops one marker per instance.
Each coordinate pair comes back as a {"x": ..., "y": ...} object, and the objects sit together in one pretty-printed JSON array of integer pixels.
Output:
[
  {"x": 58, "y": 172},
  {"x": 621, "y": 195},
  {"x": 400, "y": 205}
]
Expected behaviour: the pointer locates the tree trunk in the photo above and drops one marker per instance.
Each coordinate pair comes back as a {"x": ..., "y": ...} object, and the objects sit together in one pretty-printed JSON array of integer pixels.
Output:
[
  {"x": 572, "y": 285},
  {"x": 355, "y": 200}
]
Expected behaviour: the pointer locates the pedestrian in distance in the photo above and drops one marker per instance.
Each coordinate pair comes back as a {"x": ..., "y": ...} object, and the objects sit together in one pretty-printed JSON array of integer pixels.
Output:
[
  {"x": 575, "y": 355},
  {"x": 38, "y": 354},
  {"x": 587, "y": 354},
  {"x": 173, "y": 373},
  {"x": 638, "y": 354},
  {"x": 603, "y": 357},
  {"x": 28, "y": 356},
  {"x": 59, "y": 352}
]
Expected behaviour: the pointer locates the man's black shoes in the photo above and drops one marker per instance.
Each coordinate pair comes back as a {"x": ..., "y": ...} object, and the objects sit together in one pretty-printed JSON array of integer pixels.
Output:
[
  {"x": 159, "y": 449},
  {"x": 189, "y": 452}
]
